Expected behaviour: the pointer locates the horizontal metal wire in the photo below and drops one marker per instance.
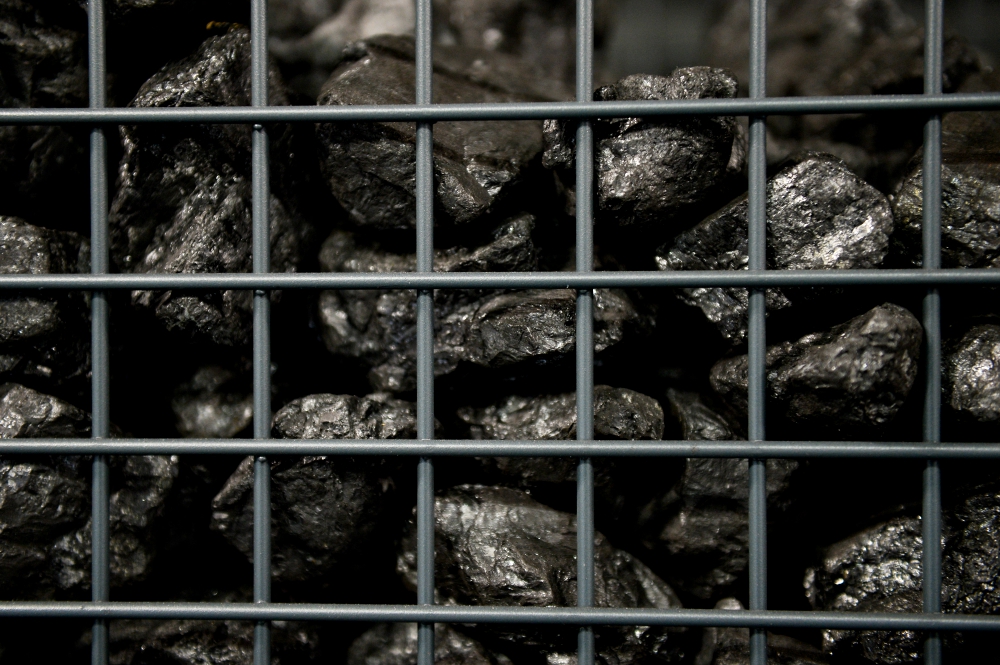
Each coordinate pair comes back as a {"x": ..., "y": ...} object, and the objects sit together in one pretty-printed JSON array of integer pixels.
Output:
[
  {"x": 512, "y": 111},
  {"x": 503, "y": 615},
  {"x": 465, "y": 448},
  {"x": 506, "y": 280}
]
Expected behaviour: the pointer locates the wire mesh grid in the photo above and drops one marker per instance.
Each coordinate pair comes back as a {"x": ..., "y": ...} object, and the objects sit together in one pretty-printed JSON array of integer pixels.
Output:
[{"x": 757, "y": 107}]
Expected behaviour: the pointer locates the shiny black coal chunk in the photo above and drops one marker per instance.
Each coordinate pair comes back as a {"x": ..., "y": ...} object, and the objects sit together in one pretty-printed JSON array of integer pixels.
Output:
[
  {"x": 44, "y": 336},
  {"x": 498, "y": 546},
  {"x": 972, "y": 374},
  {"x": 184, "y": 197},
  {"x": 325, "y": 510},
  {"x": 841, "y": 47},
  {"x": 820, "y": 215},
  {"x": 46, "y": 530},
  {"x": 970, "y": 196},
  {"x": 656, "y": 172},
  {"x": 852, "y": 378},
  {"x": 484, "y": 328},
  {"x": 731, "y": 646},
  {"x": 396, "y": 644},
  {"x": 370, "y": 167},
  {"x": 619, "y": 414}
]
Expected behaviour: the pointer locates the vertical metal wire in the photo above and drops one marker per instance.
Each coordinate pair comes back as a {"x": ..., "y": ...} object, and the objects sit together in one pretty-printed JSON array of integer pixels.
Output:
[
  {"x": 425, "y": 329},
  {"x": 933, "y": 47},
  {"x": 756, "y": 330},
  {"x": 100, "y": 359},
  {"x": 261, "y": 193},
  {"x": 585, "y": 326}
]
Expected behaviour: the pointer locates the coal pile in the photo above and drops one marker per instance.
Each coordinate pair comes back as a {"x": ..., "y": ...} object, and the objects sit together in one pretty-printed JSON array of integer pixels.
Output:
[{"x": 844, "y": 363}]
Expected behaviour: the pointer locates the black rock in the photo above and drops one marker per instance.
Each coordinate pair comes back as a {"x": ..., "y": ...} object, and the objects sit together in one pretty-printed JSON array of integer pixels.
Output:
[
  {"x": 731, "y": 646},
  {"x": 43, "y": 57},
  {"x": 972, "y": 374},
  {"x": 851, "y": 378},
  {"x": 880, "y": 570},
  {"x": 656, "y": 172},
  {"x": 199, "y": 642},
  {"x": 833, "y": 48},
  {"x": 970, "y": 196},
  {"x": 699, "y": 528},
  {"x": 213, "y": 404},
  {"x": 396, "y": 644},
  {"x": 619, "y": 414},
  {"x": 44, "y": 335},
  {"x": 877, "y": 570},
  {"x": 497, "y": 546},
  {"x": 485, "y": 328},
  {"x": 820, "y": 216},
  {"x": 183, "y": 202},
  {"x": 370, "y": 167},
  {"x": 325, "y": 510},
  {"x": 45, "y": 503}
]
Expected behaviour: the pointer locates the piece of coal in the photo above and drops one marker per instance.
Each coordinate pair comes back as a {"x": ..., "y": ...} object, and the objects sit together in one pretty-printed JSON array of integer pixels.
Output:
[
  {"x": 851, "y": 378},
  {"x": 880, "y": 570},
  {"x": 498, "y": 546},
  {"x": 656, "y": 172},
  {"x": 698, "y": 529},
  {"x": 45, "y": 503},
  {"x": 396, "y": 644},
  {"x": 970, "y": 196},
  {"x": 200, "y": 642},
  {"x": 370, "y": 167},
  {"x": 213, "y": 404},
  {"x": 833, "y": 48},
  {"x": 183, "y": 201},
  {"x": 43, "y": 57},
  {"x": 44, "y": 336},
  {"x": 972, "y": 374},
  {"x": 731, "y": 646},
  {"x": 619, "y": 414},
  {"x": 325, "y": 510},
  {"x": 820, "y": 215},
  {"x": 485, "y": 328}
]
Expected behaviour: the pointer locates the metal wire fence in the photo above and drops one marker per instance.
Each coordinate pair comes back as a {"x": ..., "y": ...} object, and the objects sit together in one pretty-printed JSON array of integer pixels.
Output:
[{"x": 262, "y": 611}]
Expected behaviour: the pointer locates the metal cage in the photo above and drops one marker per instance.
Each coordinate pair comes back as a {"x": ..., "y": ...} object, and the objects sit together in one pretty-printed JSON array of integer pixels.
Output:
[{"x": 758, "y": 619}]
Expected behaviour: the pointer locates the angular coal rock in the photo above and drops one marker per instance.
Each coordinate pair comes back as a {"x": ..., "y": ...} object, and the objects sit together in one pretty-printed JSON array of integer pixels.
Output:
[
  {"x": 879, "y": 570},
  {"x": 486, "y": 328},
  {"x": 656, "y": 172},
  {"x": 972, "y": 374},
  {"x": 45, "y": 503},
  {"x": 498, "y": 546},
  {"x": 876, "y": 570},
  {"x": 699, "y": 528},
  {"x": 44, "y": 336},
  {"x": 370, "y": 167},
  {"x": 183, "y": 202},
  {"x": 619, "y": 414},
  {"x": 43, "y": 56},
  {"x": 840, "y": 47},
  {"x": 820, "y": 215},
  {"x": 731, "y": 646},
  {"x": 199, "y": 642},
  {"x": 970, "y": 196},
  {"x": 396, "y": 644},
  {"x": 325, "y": 510},
  {"x": 851, "y": 378},
  {"x": 213, "y": 404}
]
